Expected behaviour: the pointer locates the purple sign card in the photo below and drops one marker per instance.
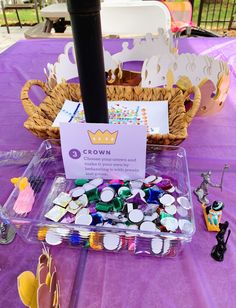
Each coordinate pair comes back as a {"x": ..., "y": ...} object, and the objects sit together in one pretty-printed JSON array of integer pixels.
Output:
[{"x": 103, "y": 150}]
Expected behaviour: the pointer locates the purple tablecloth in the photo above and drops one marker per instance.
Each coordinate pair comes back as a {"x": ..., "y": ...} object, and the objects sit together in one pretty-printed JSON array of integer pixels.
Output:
[{"x": 192, "y": 279}]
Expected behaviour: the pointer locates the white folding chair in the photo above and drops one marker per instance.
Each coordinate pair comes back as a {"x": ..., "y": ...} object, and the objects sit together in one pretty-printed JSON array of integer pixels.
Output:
[{"x": 134, "y": 17}]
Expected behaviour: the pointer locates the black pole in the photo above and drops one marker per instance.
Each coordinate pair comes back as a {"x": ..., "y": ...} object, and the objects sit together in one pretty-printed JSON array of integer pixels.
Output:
[{"x": 86, "y": 28}]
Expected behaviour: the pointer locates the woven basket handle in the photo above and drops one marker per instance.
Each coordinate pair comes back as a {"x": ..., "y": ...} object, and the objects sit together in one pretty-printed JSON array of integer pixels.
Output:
[
  {"x": 29, "y": 106},
  {"x": 196, "y": 103}
]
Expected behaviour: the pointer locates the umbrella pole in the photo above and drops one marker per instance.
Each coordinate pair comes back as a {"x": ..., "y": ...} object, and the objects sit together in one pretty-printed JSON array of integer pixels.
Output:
[{"x": 87, "y": 34}]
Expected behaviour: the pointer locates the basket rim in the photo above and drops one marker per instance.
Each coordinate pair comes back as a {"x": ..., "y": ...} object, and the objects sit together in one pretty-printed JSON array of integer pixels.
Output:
[{"x": 172, "y": 93}]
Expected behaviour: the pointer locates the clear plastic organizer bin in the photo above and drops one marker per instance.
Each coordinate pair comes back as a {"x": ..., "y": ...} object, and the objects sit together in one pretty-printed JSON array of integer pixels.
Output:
[{"x": 164, "y": 162}]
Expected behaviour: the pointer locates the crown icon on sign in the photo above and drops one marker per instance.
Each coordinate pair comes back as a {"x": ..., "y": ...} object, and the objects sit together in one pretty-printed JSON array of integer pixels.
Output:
[{"x": 100, "y": 137}]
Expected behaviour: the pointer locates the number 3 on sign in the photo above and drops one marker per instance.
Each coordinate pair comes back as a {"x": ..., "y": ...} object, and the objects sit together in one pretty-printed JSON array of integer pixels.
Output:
[{"x": 74, "y": 154}]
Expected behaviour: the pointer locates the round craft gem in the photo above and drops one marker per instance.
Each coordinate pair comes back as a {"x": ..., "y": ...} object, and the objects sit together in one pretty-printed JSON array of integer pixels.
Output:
[
  {"x": 170, "y": 209},
  {"x": 136, "y": 216},
  {"x": 184, "y": 202},
  {"x": 167, "y": 199},
  {"x": 77, "y": 192},
  {"x": 111, "y": 241},
  {"x": 96, "y": 182},
  {"x": 62, "y": 231},
  {"x": 87, "y": 187},
  {"x": 148, "y": 226},
  {"x": 182, "y": 212},
  {"x": 75, "y": 239},
  {"x": 166, "y": 246},
  {"x": 170, "y": 223},
  {"x": 107, "y": 195},
  {"x": 83, "y": 200},
  {"x": 73, "y": 205},
  {"x": 156, "y": 245},
  {"x": 84, "y": 219},
  {"x": 185, "y": 226},
  {"x": 124, "y": 192},
  {"x": 149, "y": 179},
  {"x": 53, "y": 238}
]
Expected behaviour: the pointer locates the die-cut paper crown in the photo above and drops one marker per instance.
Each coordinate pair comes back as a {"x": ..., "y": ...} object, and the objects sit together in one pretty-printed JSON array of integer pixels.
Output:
[
  {"x": 162, "y": 66},
  {"x": 100, "y": 137}
]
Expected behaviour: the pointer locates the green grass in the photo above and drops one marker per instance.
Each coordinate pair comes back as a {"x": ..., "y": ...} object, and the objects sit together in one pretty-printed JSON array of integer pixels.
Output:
[
  {"x": 195, "y": 11},
  {"x": 27, "y": 17},
  {"x": 214, "y": 12}
]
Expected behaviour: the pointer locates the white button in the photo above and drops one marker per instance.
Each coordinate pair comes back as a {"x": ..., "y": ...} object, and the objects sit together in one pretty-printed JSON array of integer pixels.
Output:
[
  {"x": 166, "y": 246},
  {"x": 170, "y": 223},
  {"x": 136, "y": 216},
  {"x": 185, "y": 226},
  {"x": 53, "y": 238},
  {"x": 77, "y": 192},
  {"x": 96, "y": 182},
  {"x": 151, "y": 218},
  {"x": 135, "y": 184},
  {"x": 83, "y": 200},
  {"x": 170, "y": 209},
  {"x": 73, "y": 205},
  {"x": 182, "y": 212},
  {"x": 88, "y": 187},
  {"x": 107, "y": 195},
  {"x": 149, "y": 179},
  {"x": 111, "y": 241},
  {"x": 184, "y": 202},
  {"x": 63, "y": 231},
  {"x": 158, "y": 180},
  {"x": 156, "y": 245},
  {"x": 83, "y": 219},
  {"x": 167, "y": 199},
  {"x": 148, "y": 226}
]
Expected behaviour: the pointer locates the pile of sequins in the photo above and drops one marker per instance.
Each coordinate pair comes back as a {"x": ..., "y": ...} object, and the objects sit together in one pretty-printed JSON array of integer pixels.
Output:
[{"x": 146, "y": 207}]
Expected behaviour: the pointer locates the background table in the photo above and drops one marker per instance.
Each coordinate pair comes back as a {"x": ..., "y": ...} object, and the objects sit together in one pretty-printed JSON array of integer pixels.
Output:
[{"x": 193, "y": 278}]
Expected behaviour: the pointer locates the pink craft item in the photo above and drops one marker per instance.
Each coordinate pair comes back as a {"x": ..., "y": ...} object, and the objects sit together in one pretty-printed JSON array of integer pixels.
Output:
[{"x": 24, "y": 201}]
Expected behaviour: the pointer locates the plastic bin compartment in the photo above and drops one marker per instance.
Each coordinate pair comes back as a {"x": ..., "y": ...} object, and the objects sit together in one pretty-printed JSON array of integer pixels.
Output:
[{"x": 168, "y": 162}]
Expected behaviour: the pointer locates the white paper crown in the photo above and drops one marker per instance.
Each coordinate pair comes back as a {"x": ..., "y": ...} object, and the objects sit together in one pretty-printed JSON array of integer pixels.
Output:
[{"x": 162, "y": 66}]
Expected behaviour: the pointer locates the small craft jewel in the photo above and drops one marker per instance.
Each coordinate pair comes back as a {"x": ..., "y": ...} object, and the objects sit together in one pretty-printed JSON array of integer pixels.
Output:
[
  {"x": 133, "y": 207},
  {"x": 167, "y": 199},
  {"x": 75, "y": 239},
  {"x": 53, "y": 238},
  {"x": 111, "y": 241},
  {"x": 63, "y": 199},
  {"x": 184, "y": 202},
  {"x": 157, "y": 245},
  {"x": 185, "y": 226},
  {"x": 142, "y": 245},
  {"x": 136, "y": 200},
  {"x": 95, "y": 241},
  {"x": 136, "y": 216},
  {"x": 42, "y": 233},
  {"x": 165, "y": 184},
  {"x": 55, "y": 213}
]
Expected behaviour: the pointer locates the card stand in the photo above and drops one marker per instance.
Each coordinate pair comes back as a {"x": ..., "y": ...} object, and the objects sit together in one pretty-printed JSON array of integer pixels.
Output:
[{"x": 34, "y": 227}]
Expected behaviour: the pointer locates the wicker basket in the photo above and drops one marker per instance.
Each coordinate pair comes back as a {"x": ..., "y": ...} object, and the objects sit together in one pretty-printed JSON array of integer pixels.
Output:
[{"x": 41, "y": 117}]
